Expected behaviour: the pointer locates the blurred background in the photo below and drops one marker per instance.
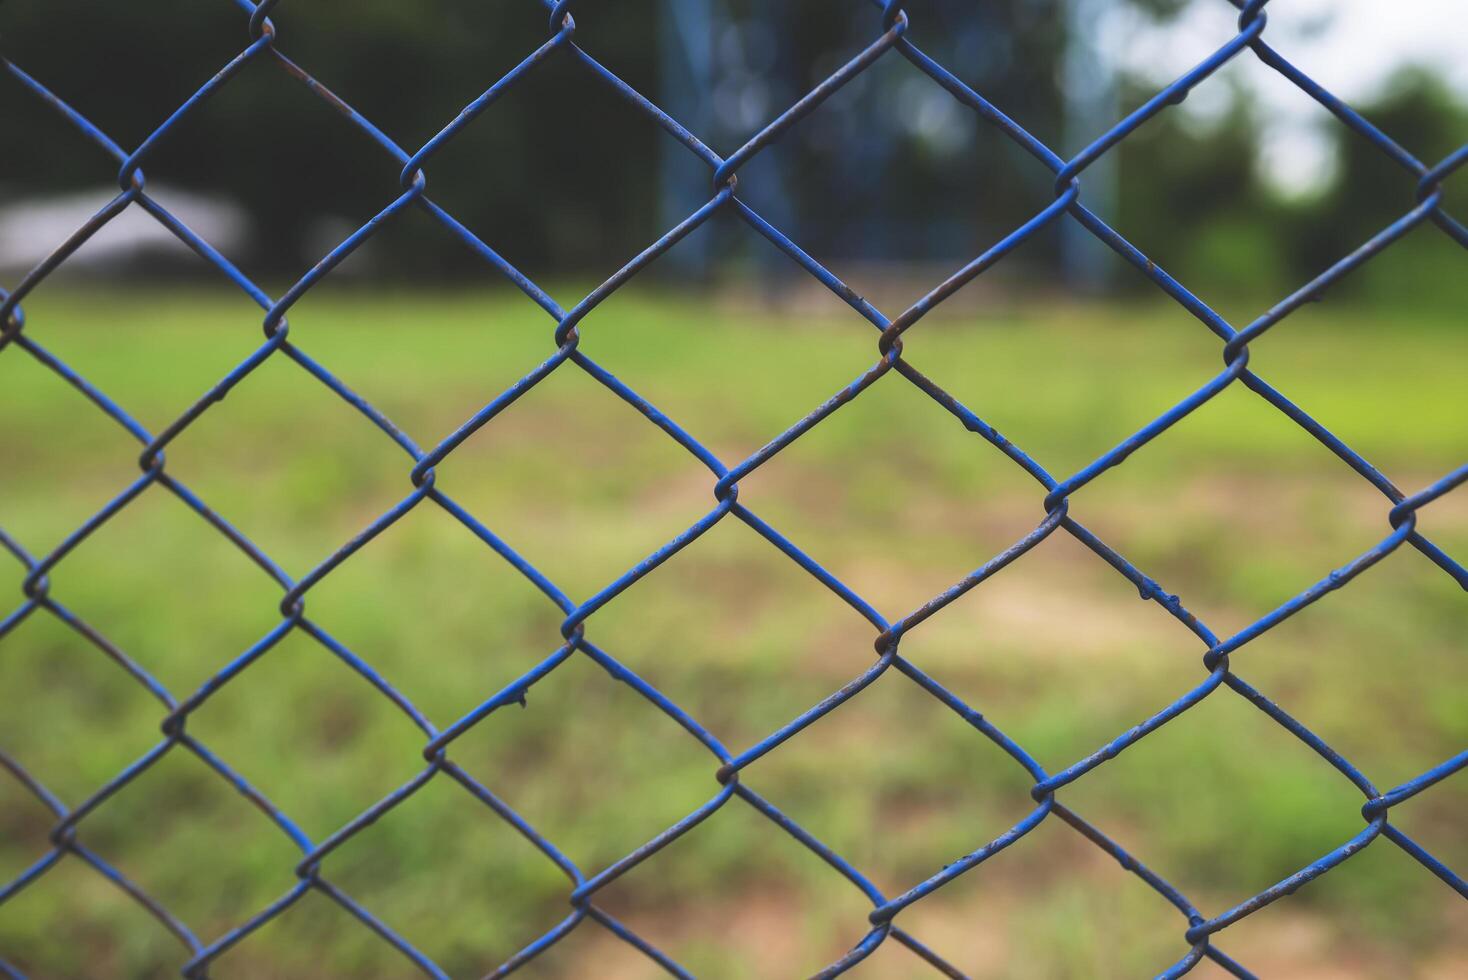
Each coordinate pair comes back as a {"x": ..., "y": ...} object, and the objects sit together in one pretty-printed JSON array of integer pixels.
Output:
[{"x": 1243, "y": 192}]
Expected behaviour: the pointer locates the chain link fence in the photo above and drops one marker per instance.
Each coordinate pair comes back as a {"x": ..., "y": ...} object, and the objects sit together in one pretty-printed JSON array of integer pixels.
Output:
[{"x": 1201, "y": 934}]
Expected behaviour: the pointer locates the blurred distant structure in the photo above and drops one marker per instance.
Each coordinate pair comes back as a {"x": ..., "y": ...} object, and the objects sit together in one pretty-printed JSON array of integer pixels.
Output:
[
  {"x": 890, "y": 172},
  {"x": 32, "y": 225},
  {"x": 1090, "y": 93}
]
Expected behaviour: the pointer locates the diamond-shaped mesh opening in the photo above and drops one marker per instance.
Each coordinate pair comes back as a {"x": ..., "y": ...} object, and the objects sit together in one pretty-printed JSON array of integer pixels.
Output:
[
  {"x": 588, "y": 486},
  {"x": 1232, "y": 181},
  {"x": 233, "y": 456},
  {"x": 1392, "y": 732},
  {"x": 829, "y": 187},
  {"x": 26, "y": 822},
  {"x": 436, "y": 869},
  {"x": 197, "y": 40},
  {"x": 1334, "y": 362},
  {"x": 1036, "y": 372},
  {"x": 1428, "y": 819},
  {"x": 83, "y": 173},
  {"x": 1187, "y": 509},
  {"x": 589, "y": 762},
  {"x": 946, "y": 789},
  {"x": 230, "y": 860},
  {"x": 590, "y": 949},
  {"x": 357, "y": 748},
  {"x": 1039, "y": 649},
  {"x": 319, "y": 938},
  {"x": 177, "y": 615},
  {"x": 549, "y": 118},
  {"x": 796, "y": 913},
  {"x": 1414, "y": 269},
  {"x": 1042, "y": 908},
  {"x": 893, "y": 474},
  {"x": 195, "y": 335},
  {"x": 1380, "y": 905},
  {"x": 55, "y": 673},
  {"x": 73, "y": 921},
  {"x": 1299, "y": 805},
  {"x": 408, "y": 88},
  {"x": 466, "y": 342},
  {"x": 734, "y": 608},
  {"x": 53, "y": 430},
  {"x": 349, "y": 176},
  {"x": 482, "y": 625},
  {"x": 777, "y": 347}
]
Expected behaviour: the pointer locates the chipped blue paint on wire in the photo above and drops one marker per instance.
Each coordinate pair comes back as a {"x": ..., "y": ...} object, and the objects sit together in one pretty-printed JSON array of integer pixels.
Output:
[{"x": 1199, "y": 934}]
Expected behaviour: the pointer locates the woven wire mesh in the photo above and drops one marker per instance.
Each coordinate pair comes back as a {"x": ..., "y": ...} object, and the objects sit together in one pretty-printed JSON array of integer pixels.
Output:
[{"x": 1200, "y": 934}]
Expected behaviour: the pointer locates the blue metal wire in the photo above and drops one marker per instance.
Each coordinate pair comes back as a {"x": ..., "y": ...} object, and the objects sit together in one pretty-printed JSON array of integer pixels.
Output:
[{"x": 890, "y": 29}]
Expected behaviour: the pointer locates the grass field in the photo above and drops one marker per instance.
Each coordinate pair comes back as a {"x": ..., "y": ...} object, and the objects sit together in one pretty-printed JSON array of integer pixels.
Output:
[{"x": 1235, "y": 509}]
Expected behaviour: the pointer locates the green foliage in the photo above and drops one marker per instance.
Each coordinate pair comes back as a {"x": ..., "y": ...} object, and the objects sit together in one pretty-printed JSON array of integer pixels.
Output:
[
  {"x": 1235, "y": 510},
  {"x": 1193, "y": 197}
]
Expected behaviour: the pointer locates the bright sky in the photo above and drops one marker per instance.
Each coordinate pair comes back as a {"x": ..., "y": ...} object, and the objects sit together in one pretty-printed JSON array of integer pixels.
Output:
[{"x": 1352, "y": 47}]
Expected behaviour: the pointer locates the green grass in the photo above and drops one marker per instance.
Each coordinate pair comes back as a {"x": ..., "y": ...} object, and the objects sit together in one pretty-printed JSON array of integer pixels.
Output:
[{"x": 1234, "y": 509}]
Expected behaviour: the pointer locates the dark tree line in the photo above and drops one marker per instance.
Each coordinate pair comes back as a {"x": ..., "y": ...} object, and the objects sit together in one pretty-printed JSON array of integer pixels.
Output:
[
  {"x": 562, "y": 176},
  {"x": 1198, "y": 199}
]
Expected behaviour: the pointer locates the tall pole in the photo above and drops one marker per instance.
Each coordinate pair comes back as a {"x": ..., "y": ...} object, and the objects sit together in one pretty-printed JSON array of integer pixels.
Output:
[
  {"x": 1089, "y": 95},
  {"x": 686, "y": 58}
]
